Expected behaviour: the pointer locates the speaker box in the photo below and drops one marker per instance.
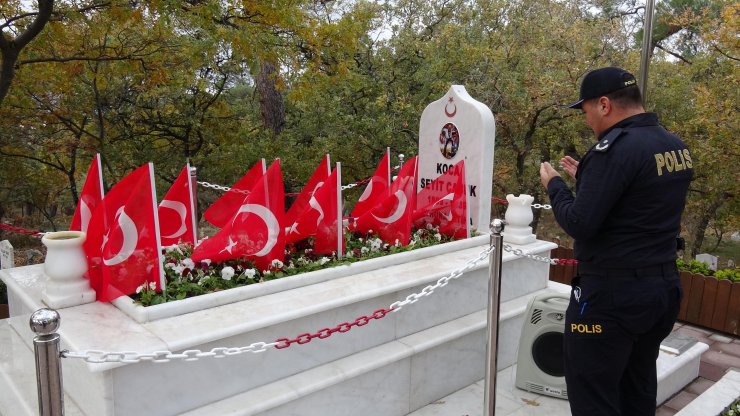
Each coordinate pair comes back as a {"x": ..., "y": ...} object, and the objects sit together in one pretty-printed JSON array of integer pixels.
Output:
[{"x": 540, "y": 366}]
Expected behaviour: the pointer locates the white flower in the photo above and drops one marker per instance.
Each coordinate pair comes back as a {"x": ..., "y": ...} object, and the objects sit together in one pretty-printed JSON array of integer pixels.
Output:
[
  {"x": 411, "y": 244},
  {"x": 277, "y": 264},
  {"x": 375, "y": 244},
  {"x": 364, "y": 250},
  {"x": 323, "y": 260},
  {"x": 348, "y": 253},
  {"x": 250, "y": 273},
  {"x": 398, "y": 243},
  {"x": 385, "y": 246},
  {"x": 265, "y": 272},
  {"x": 438, "y": 236},
  {"x": 188, "y": 263},
  {"x": 152, "y": 286},
  {"x": 179, "y": 269},
  {"x": 169, "y": 265},
  {"x": 140, "y": 288},
  {"x": 227, "y": 273}
]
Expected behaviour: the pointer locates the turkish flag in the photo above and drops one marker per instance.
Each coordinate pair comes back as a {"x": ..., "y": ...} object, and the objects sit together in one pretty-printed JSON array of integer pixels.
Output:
[
  {"x": 443, "y": 203},
  {"x": 122, "y": 245},
  {"x": 92, "y": 194},
  {"x": 255, "y": 229},
  {"x": 301, "y": 203},
  {"x": 322, "y": 218},
  {"x": 377, "y": 189},
  {"x": 224, "y": 208},
  {"x": 391, "y": 218},
  {"x": 177, "y": 212},
  {"x": 330, "y": 230}
]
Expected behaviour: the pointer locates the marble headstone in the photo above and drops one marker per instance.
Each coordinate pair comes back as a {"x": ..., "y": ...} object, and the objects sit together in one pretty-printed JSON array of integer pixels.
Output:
[
  {"x": 7, "y": 260},
  {"x": 457, "y": 127},
  {"x": 709, "y": 259}
]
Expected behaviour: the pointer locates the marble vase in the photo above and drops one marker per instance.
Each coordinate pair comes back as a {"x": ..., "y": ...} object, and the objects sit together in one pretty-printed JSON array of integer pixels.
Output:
[{"x": 64, "y": 266}]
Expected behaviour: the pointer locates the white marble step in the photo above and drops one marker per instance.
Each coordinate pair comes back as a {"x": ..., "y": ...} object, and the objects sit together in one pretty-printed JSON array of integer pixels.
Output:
[
  {"x": 390, "y": 379},
  {"x": 674, "y": 372},
  {"x": 18, "y": 394},
  {"x": 716, "y": 398}
]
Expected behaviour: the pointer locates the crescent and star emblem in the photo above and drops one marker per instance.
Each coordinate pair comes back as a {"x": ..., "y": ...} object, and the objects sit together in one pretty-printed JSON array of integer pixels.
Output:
[
  {"x": 400, "y": 208},
  {"x": 229, "y": 247},
  {"x": 454, "y": 108},
  {"x": 367, "y": 192},
  {"x": 449, "y": 197},
  {"x": 130, "y": 239},
  {"x": 273, "y": 226},
  {"x": 603, "y": 145},
  {"x": 181, "y": 210},
  {"x": 85, "y": 215}
]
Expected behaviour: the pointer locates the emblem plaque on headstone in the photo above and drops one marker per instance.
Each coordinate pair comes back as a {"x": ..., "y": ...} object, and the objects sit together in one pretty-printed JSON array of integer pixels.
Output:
[
  {"x": 7, "y": 260},
  {"x": 457, "y": 127}
]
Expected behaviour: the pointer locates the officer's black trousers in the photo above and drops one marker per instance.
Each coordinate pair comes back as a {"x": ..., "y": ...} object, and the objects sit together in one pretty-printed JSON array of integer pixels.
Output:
[{"x": 614, "y": 325}]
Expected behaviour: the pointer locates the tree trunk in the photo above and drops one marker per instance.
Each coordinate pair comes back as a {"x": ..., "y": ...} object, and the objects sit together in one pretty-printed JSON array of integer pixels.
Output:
[
  {"x": 272, "y": 106},
  {"x": 701, "y": 227}
]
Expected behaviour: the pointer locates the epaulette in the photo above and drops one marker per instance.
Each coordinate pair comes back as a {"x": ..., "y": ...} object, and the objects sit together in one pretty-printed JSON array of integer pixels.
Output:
[{"x": 604, "y": 144}]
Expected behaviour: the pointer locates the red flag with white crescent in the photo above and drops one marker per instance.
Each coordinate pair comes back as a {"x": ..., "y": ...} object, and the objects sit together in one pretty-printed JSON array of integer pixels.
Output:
[
  {"x": 254, "y": 231},
  {"x": 223, "y": 209},
  {"x": 322, "y": 218},
  {"x": 177, "y": 212},
  {"x": 377, "y": 189},
  {"x": 92, "y": 194},
  {"x": 301, "y": 203},
  {"x": 329, "y": 227},
  {"x": 122, "y": 243},
  {"x": 391, "y": 218},
  {"x": 443, "y": 203}
]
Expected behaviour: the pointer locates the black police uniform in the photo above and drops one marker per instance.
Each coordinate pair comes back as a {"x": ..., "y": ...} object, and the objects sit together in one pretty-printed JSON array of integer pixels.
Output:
[{"x": 630, "y": 192}]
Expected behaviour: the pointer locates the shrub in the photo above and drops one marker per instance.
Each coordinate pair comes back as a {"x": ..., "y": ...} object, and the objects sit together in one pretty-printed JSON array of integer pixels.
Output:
[
  {"x": 729, "y": 274},
  {"x": 694, "y": 266}
]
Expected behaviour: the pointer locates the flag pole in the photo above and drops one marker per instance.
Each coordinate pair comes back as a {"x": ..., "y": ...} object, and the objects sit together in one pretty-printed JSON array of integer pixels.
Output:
[
  {"x": 340, "y": 223},
  {"x": 158, "y": 234}
]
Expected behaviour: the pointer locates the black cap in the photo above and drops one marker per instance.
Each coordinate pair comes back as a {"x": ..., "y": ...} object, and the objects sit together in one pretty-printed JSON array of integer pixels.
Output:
[{"x": 603, "y": 81}]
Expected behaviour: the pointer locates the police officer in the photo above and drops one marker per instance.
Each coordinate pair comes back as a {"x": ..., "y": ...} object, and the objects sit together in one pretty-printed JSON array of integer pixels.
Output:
[{"x": 625, "y": 215}]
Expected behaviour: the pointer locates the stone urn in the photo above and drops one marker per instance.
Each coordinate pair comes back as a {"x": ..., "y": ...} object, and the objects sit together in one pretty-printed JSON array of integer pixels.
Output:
[
  {"x": 518, "y": 217},
  {"x": 65, "y": 266}
]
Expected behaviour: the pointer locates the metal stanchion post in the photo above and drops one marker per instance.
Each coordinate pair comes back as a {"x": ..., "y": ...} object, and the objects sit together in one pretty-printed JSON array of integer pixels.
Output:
[
  {"x": 494, "y": 302},
  {"x": 45, "y": 322}
]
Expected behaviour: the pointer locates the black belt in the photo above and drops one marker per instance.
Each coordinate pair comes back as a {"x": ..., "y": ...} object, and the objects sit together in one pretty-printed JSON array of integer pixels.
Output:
[{"x": 665, "y": 269}]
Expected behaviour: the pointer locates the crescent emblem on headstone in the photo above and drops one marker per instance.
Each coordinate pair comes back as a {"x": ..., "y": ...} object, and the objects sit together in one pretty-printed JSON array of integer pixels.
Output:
[
  {"x": 181, "y": 210},
  {"x": 454, "y": 108},
  {"x": 273, "y": 227},
  {"x": 400, "y": 208},
  {"x": 130, "y": 238}
]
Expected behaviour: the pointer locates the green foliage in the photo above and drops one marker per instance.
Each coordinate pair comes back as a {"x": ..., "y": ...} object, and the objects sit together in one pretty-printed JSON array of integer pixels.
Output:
[
  {"x": 729, "y": 274},
  {"x": 694, "y": 266},
  {"x": 733, "y": 409}
]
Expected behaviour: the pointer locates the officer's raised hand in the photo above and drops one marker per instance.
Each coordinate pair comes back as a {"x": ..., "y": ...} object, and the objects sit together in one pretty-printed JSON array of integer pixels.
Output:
[
  {"x": 569, "y": 165},
  {"x": 547, "y": 172}
]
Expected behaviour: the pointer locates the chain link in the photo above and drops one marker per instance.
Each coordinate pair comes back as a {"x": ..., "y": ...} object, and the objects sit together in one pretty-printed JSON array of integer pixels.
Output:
[
  {"x": 442, "y": 282},
  {"x": 552, "y": 261},
  {"x": 324, "y": 333},
  {"x": 538, "y": 206},
  {"x": 131, "y": 357}
]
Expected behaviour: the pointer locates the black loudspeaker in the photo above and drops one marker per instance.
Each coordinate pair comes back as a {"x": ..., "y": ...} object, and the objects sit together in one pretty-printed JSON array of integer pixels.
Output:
[{"x": 540, "y": 366}]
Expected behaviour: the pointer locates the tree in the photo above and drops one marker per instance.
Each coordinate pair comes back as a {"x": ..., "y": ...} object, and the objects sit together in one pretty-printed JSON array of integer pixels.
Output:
[{"x": 14, "y": 36}]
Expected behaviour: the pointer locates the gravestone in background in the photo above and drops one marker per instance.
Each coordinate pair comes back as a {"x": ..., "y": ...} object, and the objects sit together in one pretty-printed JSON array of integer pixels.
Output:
[
  {"x": 456, "y": 127},
  {"x": 709, "y": 259},
  {"x": 7, "y": 260}
]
